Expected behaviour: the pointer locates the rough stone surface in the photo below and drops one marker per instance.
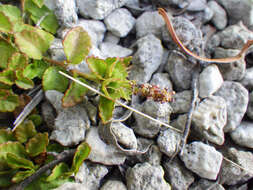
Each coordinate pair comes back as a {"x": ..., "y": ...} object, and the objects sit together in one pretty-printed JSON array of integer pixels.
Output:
[
  {"x": 231, "y": 174},
  {"x": 113, "y": 185},
  {"x": 247, "y": 80},
  {"x": 111, "y": 38},
  {"x": 168, "y": 141},
  {"x": 181, "y": 101},
  {"x": 179, "y": 122},
  {"x": 101, "y": 152},
  {"x": 195, "y": 5},
  {"x": 149, "y": 23},
  {"x": 219, "y": 18},
  {"x": 242, "y": 135},
  {"x": 98, "y": 9},
  {"x": 210, "y": 117},
  {"x": 144, "y": 126},
  {"x": 147, "y": 58},
  {"x": 230, "y": 71},
  {"x": 145, "y": 176},
  {"x": 72, "y": 186},
  {"x": 162, "y": 80},
  {"x": 91, "y": 174},
  {"x": 205, "y": 184},
  {"x": 210, "y": 80},
  {"x": 120, "y": 22},
  {"x": 250, "y": 106},
  {"x": 48, "y": 114},
  {"x": 202, "y": 159},
  {"x": 56, "y": 50},
  {"x": 177, "y": 175},
  {"x": 236, "y": 97},
  {"x": 109, "y": 49}
]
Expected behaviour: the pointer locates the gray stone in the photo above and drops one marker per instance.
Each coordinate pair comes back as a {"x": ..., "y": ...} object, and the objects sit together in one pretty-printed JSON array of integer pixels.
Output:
[
  {"x": 209, "y": 118},
  {"x": 230, "y": 71},
  {"x": 102, "y": 152},
  {"x": 120, "y": 22},
  {"x": 147, "y": 59},
  {"x": 56, "y": 50},
  {"x": 202, "y": 159},
  {"x": 247, "y": 80},
  {"x": 239, "y": 10},
  {"x": 236, "y": 97},
  {"x": 181, "y": 101},
  {"x": 113, "y": 50},
  {"x": 145, "y": 176},
  {"x": 49, "y": 4},
  {"x": 206, "y": 184},
  {"x": 180, "y": 70},
  {"x": 147, "y": 128},
  {"x": 169, "y": 141},
  {"x": 66, "y": 12},
  {"x": 194, "y": 5},
  {"x": 231, "y": 174},
  {"x": 90, "y": 174},
  {"x": 250, "y": 106},
  {"x": 113, "y": 185},
  {"x": 48, "y": 114},
  {"x": 177, "y": 175},
  {"x": 98, "y": 9},
  {"x": 149, "y": 23},
  {"x": 162, "y": 80},
  {"x": 110, "y": 37},
  {"x": 72, "y": 186},
  {"x": 241, "y": 187},
  {"x": 210, "y": 80},
  {"x": 242, "y": 135},
  {"x": 180, "y": 122},
  {"x": 219, "y": 18}
]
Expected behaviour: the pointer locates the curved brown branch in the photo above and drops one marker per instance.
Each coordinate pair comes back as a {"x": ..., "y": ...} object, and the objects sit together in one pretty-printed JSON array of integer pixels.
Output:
[{"x": 173, "y": 34}]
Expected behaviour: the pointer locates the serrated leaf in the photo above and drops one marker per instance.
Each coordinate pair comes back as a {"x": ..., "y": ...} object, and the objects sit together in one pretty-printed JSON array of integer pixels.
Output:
[
  {"x": 8, "y": 101},
  {"x": 58, "y": 171},
  {"x": 37, "y": 144},
  {"x": 76, "y": 45},
  {"x": 21, "y": 175},
  {"x": 106, "y": 108},
  {"x": 5, "y": 23},
  {"x": 25, "y": 131},
  {"x": 16, "y": 162},
  {"x": 97, "y": 66},
  {"x": 15, "y": 148},
  {"x": 52, "y": 80},
  {"x": 39, "y": 3},
  {"x": 33, "y": 43},
  {"x": 12, "y": 12},
  {"x": 23, "y": 82},
  {"x": 82, "y": 152},
  {"x": 6, "y": 135},
  {"x": 7, "y": 77},
  {"x": 74, "y": 94},
  {"x": 109, "y": 88},
  {"x": 6, "y": 50},
  {"x": 17, "y": 61},
  {"x": 36, "y": 119},
  {"x": 35, "y": 69}
]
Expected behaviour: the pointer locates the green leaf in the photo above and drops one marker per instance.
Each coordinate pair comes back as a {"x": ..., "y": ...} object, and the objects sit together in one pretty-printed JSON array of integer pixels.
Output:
[
  {"x": 37, "y": 144},
  {"x": 5, "y": 180},
  {"x": 16, "y": 162},
  {"x": 39, "y": 3},
  {"x": 53, "y": 80},
  {"x": 110, "y": 88},
  {"x": 5, "y": 86},
  {"x": 36, "y": 69},
  {"x": 21, "y": 175},
  {"x": 7, "y": 77},
  {"x": 6, "y": 135},
  {"x": 25, "y": 131},
  {"x": 82, "y": 152},
  {"x": 17, "y": 61},
  {"x": 23, "y": 82},
  {"x": 36, "y": 119},
  {"x": 117, "y": 67},
  {"x": 106, "y": 108},
  {"x": 12, "y": 12},
  {"x": 97, "y": 66},
  {"x": 76, "y": 45},
  {"x": 6, "y": 50},
  {"x": 15, "y": 148},
  {"x": 74, "y": 94},
  {"x": 8, "y": 101},
  {"x": 34, "y": 43},
  {"x": 5, "y": 23},
  {"x": 55, "y": 147},
  {"x": 58, "y": 171}
]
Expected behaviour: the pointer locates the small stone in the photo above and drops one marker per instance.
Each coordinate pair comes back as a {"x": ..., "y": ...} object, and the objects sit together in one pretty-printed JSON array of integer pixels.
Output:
[
  {"x": 145, "y": 176},
  {"x": 101, "y": 152},
  {"x": 205, "y": 184},
  {"x": 169, "y": 141},
  {"x": 242, "y": 135},
  {"x": 250, "y": 106},
  {"x": 147, "y": 128},
  {"x": 149, "y": 23},
  {"x": 179, "y": 177},
  {"x": 111, "y": 38},
  {"x": 202, "y": 159},
  {"x": 210, "y": 117},
  {"x": 247, "y": 80},
  {"x": 180, "y": 70},
  {"x": 181, "y": 102},
  {"x": 98, "y": 9},
  {"x": 120, "y": 22},
  {"x": 147, "y": 59},
  {"x": 162, "y": 80},
  {"x": 90, "y": 174},
  {"x": 72, "y": 186},
  {"x": 230, "y": 71},
  {"x": 50, "y": 4},
  {"x": 210, "y": 80},
  {"x": 113, "y": 185},
  {"x": 66, "y": 12},
  {"x": 56, "y": 50},
  {"x": 180, "y": 122},
  {"x": 236, "y": 97},
  {"x": 48, "y": 114},
  {"x": 219, "y": 18},
  {"x": 194, "y": 5},
  {"x": 113, "y": 50}
]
